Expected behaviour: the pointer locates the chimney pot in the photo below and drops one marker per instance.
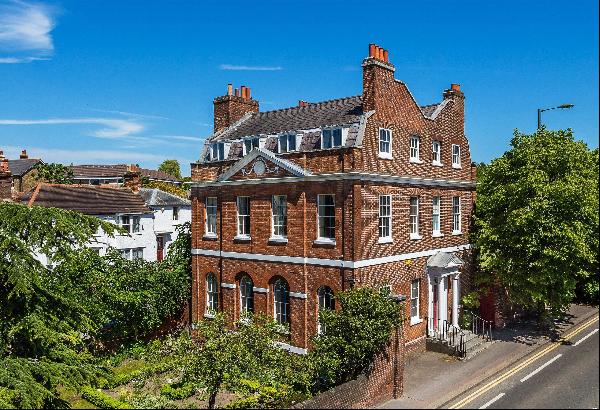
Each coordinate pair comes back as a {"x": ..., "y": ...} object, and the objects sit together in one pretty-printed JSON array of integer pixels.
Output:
[
  {"x": 248, "y": 94},
  {"x": 229, "y": 89},
  {"x": 302, "y": 103},
  {"x": 243, "y": 90},
  {"x": 455, "y": 87},
  {"x": 23, "y": 155},
  {"x": 237, "y": 92},
  {"x": 385, "y": 56},
  {"x": 4, "y": 165},
  {"x": 372, "y": 50}
]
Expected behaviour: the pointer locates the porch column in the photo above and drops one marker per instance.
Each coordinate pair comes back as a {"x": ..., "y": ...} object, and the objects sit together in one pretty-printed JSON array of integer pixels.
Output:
[
  {"x": 455, "y": 298},
  {"x": 440, "y": 297}
]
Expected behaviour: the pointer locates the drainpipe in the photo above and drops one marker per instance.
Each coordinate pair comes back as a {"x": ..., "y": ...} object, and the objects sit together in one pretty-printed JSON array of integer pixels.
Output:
[{"x": 455, "y": 298}]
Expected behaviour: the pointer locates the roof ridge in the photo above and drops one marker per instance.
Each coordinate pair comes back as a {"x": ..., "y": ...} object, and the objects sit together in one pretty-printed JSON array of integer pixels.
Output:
[{"x": 309, "y": 104}]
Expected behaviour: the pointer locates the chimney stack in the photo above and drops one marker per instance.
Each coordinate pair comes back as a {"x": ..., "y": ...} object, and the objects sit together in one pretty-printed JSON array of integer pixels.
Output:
[
  {"x": 302, "y": 103},
  {"x": 378, "y": 77},
  {"x": 231, "y": 107},
  {"x": 23, "y": 155},
  {"x": 5, "y": 181},
  {"x": 133, "y": 178}
]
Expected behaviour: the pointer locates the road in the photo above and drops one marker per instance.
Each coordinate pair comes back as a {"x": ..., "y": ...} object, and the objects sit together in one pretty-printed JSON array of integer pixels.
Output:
[{"x": 563, "y": 375}]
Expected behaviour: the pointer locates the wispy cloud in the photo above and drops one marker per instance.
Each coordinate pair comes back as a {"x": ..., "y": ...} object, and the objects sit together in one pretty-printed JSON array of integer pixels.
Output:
[
  {"x": 232, "y": 67},
  {"x": 182, "y": 138},
  {"x": 113, "y": 128},
  {"x": 25, "y": 31},
  {"x": 130, "y": 114}
]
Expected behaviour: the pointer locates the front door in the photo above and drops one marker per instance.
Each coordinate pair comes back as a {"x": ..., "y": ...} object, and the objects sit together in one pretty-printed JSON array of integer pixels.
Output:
[{"x": 160, "y": 246}]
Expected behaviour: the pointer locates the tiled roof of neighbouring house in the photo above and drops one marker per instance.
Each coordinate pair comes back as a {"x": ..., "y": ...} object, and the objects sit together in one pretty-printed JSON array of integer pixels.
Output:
[
  {"x": 156, "y": 197},
  {"x": 19, "y": 167},
  {"x": 87, "y": 199},
  {"x": 116, "y": 171},
  {"x": 346, "y": 110}
]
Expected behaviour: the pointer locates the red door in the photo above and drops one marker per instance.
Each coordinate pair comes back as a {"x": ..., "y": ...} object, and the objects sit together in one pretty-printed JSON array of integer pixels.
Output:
[
  {"x": 435, "y": 307},
  {"x": 160, "y": 246}
]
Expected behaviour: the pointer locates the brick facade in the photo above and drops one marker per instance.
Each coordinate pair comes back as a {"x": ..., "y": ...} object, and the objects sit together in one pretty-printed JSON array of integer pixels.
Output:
[{"x": 356, "y": 174}]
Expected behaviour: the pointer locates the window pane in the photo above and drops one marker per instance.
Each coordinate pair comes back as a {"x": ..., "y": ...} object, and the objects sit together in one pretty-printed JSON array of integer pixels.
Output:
[
  {"x": 283, "y": 143},
  {"x": 212, "y": 293},
  {"x": 279, "y": 215},
  {"x": 291, "y": 143},
  {"x": 243, "y": 205},
  {"x": 247, "y": 294},
  {"x": 385, "y": 216},
  {"x": 211, "y": 215},
  {"x": 414, "y": 215},
  {"x": 436, "y": 214},
  {"x": 136, "y": 224},
  {"x": 327, "y": 139},
  {"x": 456, "y": 214},
  {"x": 326, "y": 212},
  {"x": 326, "y": 300},
  {"x": 281, "y": 301},
  {"x": 337, "y": 137}
]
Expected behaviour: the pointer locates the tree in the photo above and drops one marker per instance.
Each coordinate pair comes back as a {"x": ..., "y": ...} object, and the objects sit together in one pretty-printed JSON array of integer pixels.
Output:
[
  {"x": 171, "y": 167},
  {"x": 54, "y": 173},
  {"x": 353, "y": 335},
  {"x": 537, "y": 218},
  {"x": 164, "y": 186}
]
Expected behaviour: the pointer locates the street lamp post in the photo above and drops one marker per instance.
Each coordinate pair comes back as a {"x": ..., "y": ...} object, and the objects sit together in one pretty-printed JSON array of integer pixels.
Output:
[{"x": 541, "y": 110}]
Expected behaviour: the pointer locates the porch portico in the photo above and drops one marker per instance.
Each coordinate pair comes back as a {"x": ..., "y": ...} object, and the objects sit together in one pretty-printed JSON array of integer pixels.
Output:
[{"x": 442, "y": 268}]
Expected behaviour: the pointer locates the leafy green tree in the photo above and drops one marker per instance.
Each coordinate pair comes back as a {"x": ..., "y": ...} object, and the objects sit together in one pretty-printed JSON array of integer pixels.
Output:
[
  {"x": 353, "y": 335},
  {"x": 171, "y": 167},
  {"x": 163, "y": 186},
  {"x": 537, "y": 218},
  {"x": 54, "y": 173}
]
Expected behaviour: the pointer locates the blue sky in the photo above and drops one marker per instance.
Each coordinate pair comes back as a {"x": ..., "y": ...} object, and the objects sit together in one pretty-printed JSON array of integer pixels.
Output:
[{"x": 133, "y": 81}]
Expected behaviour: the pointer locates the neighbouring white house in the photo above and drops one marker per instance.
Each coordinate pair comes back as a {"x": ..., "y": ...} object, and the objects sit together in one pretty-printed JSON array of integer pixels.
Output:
[{"x": 150, "y": 217}]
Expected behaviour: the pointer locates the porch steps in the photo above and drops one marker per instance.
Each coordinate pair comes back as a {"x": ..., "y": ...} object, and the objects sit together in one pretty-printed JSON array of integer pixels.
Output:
[{"x": 474, "y": 344}]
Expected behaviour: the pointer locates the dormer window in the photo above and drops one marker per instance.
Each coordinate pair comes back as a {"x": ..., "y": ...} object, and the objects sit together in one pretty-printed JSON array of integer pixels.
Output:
[
  {"x": 250, "y": 144},
  {"x": 331, "y": 138},
  {"x": 217, "y": 151},
  {"x": 287, "y": 143}
]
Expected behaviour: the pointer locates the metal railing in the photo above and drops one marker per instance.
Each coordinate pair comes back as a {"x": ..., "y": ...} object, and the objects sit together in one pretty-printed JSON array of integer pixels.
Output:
[
  {"x": 447, "y": 333},
  {"x": 481, "y": 327}
]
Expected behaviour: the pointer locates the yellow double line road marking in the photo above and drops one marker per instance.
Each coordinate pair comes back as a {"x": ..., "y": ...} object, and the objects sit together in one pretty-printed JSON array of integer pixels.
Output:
[{"x": 500, "y": 379}]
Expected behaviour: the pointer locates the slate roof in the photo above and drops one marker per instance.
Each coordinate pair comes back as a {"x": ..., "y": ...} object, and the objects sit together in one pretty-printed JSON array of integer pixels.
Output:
[
  {"x": 428, "y": 110},
  {"x": 117, "y": 171},
  {"x": 443, "y": 260},
  {"x": 341, "y": 111},
  {"x": 87, "y": 199},
  {"x": 19, "y": 167},
  {"x": 156, "y": 197}
]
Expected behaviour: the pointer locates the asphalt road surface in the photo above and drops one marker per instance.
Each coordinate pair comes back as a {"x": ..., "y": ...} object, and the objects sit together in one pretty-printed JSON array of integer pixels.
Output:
[{"x": 563, "y": 375}]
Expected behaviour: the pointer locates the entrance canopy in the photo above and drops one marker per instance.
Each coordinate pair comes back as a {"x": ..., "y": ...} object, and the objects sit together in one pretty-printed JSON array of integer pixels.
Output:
[{"x": 444, "y": 260}]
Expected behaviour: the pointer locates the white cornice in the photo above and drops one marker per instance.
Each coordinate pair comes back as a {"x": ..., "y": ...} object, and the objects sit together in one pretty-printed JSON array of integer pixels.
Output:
[
  {"x": 299, "y": 260},
  {"x": 356, "y": 176}
]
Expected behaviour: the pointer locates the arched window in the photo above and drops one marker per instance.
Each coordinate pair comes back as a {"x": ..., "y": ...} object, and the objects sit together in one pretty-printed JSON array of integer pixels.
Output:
[
  {"x": 281, "y": 299},
  {"x": 246, "y": 294},
  {"x": 212, "y": 294},
  {"x": 326, "y": 300}
]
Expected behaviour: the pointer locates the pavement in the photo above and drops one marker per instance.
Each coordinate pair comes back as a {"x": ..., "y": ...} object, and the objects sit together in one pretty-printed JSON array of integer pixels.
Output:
[{"x": 433, "y": 380}]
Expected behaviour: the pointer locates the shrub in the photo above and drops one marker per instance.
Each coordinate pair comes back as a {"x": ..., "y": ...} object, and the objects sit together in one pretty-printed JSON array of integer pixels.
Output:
[{"x": 103, "y": 400}]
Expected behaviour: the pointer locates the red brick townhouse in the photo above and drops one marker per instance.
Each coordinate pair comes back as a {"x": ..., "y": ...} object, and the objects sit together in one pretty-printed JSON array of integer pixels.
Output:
[{"x": 294, "y": 205}]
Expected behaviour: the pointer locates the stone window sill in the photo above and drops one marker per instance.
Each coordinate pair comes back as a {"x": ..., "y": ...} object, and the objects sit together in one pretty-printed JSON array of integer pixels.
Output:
[
  {"x": 415, "y": 161},
  {"x": 324, "y": 241},
  {"x": 385, "y": 155},
  {"x": 209, "y": 315},
  {"x": 242, "y": 238},
  {"x": 385, "y": 240},
  {"x": 278, "y": 239},
  {"x": 415, "y": 321},
  {"x": 437, "y": 235},
  {"x": 456, "y": 232},
  {"x": 456, "y": 166},
  {"x": 415, "y": 236},
  {"x": 210, "y": 237},
  {"x": 437, "y": 164}
]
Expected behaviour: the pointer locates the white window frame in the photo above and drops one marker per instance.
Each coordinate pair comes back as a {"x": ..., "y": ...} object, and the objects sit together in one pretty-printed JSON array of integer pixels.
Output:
[
  {"x": 388, "y": 132},
  {"x": 385, "y": 215},
  {"x": 137, "y": 253},
  {"x": 456, "y": 156},
  {"x": 175, "y": 213},
  {"x": 246, "y": 299},
  {"x": 217, "y": 151},
  {"x": 436, "y": 212},
  {"x": 281, "y": 309},
  {"x": 288, "y": 138},
  {"x": 332, "y": 130},
  {"x": 134, "y": 224},
  {"x": 324, "y": 239},
  {"x": 414, "y": 219},
  {"x": 456, "y": 216},
  {"x": 208, "y": 232},
  {"x": 279, "y": 230},
  {"x": 252, "y": 141},
  {"x": 212, "y": 295},
  {"x": 436, "y": 153},
  {"x": 324, "y": 294},
  {"x": 415, "y": 150},
  {"x": 416, "y": 299},
  {"x": 246, "y": 218}
]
